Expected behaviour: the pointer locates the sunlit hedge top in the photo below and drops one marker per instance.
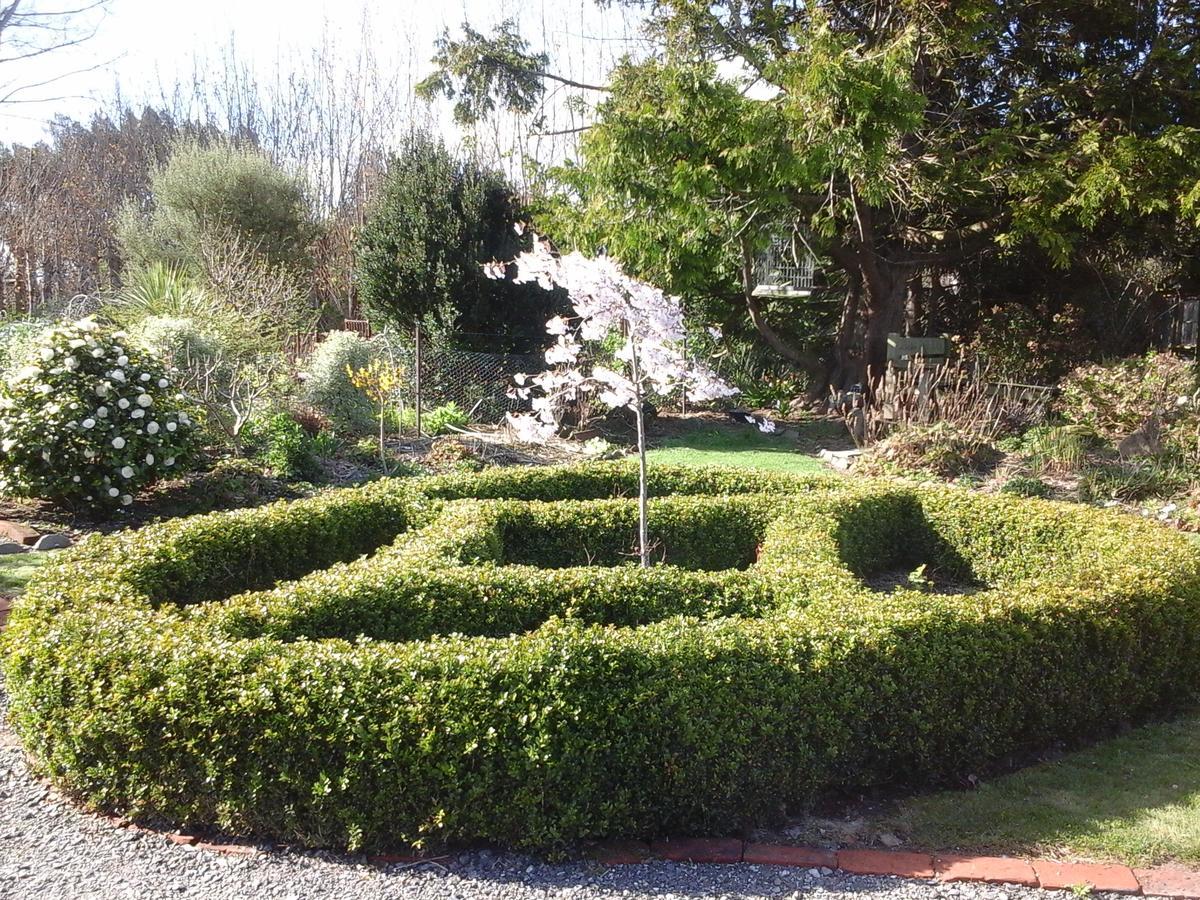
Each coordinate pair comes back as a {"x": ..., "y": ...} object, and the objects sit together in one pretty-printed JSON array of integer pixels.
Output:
[{"x": 472, "y": 657}]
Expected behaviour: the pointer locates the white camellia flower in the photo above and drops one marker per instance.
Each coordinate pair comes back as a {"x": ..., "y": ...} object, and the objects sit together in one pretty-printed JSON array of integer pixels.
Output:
[
  {"x": 144, "y": 400},
  {"x": 88, "y": 453},
  {"x": 76, "y": 343},
  {"x": 102, "y": 412},
  {"x": 46, "y": 455},
  {"x": 169, "y": 461},
  {"x": 127, "y": 471},
  {"x": 145, "y": 376},
  {"x": 152, "y": 428},
  {"x": 117, "y": 375},
  {"x": 97, "y": 353},
  {"x": 118, "y": 442},
  {"x": 171, "y": 426},
  {"x": 162, "y": 382},
  {"x": 89, "y": 423},
  {"x": 71, "y": 363},
  {"x": 88, "y": 324},
  {"x": 43, "y": 389},
  {"x": 126, "y": 499},
  {"x": 183, "y": 419},
  {"x": 76, "y": 479},
  {"x": 102, "y": 389},
  {"x": 123, "y": 403},
  {"x": 122, "y": 360},
  {"x": 137, "y": 414},
  {"x": 7, "y": 444},
  {"x": 46, "y": 353},
  {"x": 113, "y": 492},
  {"x": 149, "y": 459}
]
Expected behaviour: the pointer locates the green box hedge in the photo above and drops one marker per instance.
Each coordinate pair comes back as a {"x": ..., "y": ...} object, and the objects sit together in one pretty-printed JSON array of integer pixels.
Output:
[{"x": 410, "y": 662}]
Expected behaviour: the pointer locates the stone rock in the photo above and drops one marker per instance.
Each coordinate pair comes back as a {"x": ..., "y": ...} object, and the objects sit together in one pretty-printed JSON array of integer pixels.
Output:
[
  {"x": 841, "y": 460},
  {"x": 52, "y": 542},
  {"x": 14, "y": 531},
  {"x": 7, "y": 547}
]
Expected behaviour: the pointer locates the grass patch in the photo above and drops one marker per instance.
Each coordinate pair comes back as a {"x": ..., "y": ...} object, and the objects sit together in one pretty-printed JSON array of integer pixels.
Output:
[
  {"x": 1134, "y": 799},
  {"x": 17, "y": 568},
  {"x": 744, "y": 448}
]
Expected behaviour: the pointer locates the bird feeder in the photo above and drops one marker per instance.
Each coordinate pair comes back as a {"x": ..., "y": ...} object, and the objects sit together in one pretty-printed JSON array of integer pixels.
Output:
[{"x": 786, "y": 268}]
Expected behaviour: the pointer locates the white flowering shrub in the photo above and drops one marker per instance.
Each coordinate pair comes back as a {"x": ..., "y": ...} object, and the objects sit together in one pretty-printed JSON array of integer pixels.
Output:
[{"x": 88, "y": 420}]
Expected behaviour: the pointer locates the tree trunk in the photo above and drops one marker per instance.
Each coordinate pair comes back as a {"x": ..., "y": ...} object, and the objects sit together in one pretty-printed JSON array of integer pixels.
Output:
[
  {"x": 885, "y": 313},
  {"x": 640, "y": 418}
]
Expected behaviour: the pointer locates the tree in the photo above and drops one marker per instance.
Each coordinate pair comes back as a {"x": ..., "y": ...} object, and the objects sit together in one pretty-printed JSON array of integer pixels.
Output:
[
  {"x": 29, "y": 31},
  {"x": 908, "y": 140},
  {"x": 606, "y": 303},
  {"x": 60, "y": 200},
  {"x": 435, "y": 221},
  {"x": 209, "y": 191}
]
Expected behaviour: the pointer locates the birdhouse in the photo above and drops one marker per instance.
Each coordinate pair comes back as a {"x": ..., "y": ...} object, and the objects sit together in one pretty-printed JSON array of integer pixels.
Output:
[{"x": 786, "y": 268}]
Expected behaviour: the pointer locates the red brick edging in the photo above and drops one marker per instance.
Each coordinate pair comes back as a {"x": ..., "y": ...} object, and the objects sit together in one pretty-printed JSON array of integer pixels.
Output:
[
  {"x": 1170, "y": 881},
  {"x": 1163, "y": 881}
]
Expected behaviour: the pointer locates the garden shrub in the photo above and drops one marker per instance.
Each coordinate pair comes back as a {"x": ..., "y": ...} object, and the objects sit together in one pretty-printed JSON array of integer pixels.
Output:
[
  {"x": 405, "y": 662},
  {"x": 327, "y": 384},
  {"x": 445, "y": 419},
  {"x": 1115, "y": 398},
  {"x": 1025, "y": 486},
  {"x": 88, "y": 420},
  {"x": 939, "y": 451},
  {"x": 281, "y": 444},
  {"x": 17, "y": 339}
]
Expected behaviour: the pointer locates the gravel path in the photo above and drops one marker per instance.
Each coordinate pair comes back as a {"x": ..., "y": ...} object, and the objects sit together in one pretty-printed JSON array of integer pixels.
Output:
[{"x": 49, "y": 850}]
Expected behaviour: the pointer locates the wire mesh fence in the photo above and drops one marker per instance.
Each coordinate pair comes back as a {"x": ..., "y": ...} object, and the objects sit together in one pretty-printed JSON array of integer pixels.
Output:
[{"x": 477, "y": 383}]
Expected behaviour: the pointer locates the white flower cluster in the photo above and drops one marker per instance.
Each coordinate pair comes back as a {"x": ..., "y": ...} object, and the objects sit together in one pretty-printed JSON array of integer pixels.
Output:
[
  {"x": 606, "y": 301},
  {"x": 87, "y": 421}
]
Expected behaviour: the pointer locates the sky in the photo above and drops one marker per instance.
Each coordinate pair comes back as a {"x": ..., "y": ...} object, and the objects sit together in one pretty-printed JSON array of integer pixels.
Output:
[{"x": 145, "y": 44}]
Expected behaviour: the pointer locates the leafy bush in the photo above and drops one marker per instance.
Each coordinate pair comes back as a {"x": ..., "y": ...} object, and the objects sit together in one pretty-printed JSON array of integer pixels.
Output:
[
  {"x": 177, "y": 340},
  {"x": 88, "y": 420},
  {"x": 282, "y": 445},
  {"x": 222, "y": 191},
  {"x": 327, "y": 385},
  {"x": 1024, "y": 486},
  {"x": 1114, "y": 399},
  {"x": 939, "y": 451},
  {"x": 421, "y": 687},
  {"x": 445, "y": 419},
  {"x": 17, "y": 339},
  {"x": 1133, "y": 481},
  {"x": 1058, "y": 447}
]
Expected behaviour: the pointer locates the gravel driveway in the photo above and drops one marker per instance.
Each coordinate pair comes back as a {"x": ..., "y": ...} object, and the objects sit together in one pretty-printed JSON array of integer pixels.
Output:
[{"x": 50, "y": 850}]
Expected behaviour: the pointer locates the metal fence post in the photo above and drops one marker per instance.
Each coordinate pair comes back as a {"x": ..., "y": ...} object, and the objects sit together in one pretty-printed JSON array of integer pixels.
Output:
[{"x": 417, "y": 376}]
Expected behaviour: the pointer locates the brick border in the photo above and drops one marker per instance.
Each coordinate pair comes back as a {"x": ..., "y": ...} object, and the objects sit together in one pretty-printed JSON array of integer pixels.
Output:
[{"x": 1168, "y": 881}]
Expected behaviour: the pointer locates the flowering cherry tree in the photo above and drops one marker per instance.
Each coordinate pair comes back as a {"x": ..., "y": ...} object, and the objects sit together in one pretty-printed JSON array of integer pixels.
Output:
[{"x": 649, "y": 326}]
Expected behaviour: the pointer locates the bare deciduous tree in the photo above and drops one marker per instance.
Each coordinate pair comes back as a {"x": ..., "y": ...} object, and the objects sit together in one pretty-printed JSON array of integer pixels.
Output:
[{"x": 30, "y": 30}]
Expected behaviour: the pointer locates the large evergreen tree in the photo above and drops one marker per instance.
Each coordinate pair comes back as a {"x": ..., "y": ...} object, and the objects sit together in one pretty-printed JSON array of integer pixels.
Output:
[
  {"x": 909, "y": 138},
  {"x": 436, "y": 220}
]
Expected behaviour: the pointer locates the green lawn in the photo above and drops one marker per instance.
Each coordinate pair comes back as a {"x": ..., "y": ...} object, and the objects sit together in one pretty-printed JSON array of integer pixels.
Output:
[
  {"x": 16, "y": 569},
  {"x": 744, "y": 448},
  {"x": 1133, "y": 799}
]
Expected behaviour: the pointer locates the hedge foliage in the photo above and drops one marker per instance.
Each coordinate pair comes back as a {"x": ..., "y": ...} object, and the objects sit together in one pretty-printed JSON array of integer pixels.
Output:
[{"x": 406, "y": 662}]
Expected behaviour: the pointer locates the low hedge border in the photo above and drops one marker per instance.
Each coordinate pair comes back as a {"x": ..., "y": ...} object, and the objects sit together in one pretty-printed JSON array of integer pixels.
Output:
[{"x": 407, "y": 698}]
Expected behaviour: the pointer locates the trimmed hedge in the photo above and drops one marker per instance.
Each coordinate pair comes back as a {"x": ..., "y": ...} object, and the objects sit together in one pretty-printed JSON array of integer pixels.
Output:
[{"x": 387, "y": 674}]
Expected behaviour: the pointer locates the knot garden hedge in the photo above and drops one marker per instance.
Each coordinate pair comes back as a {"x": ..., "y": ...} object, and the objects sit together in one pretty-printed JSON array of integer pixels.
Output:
[{"x": 474, "y": 657}]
